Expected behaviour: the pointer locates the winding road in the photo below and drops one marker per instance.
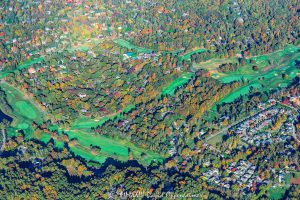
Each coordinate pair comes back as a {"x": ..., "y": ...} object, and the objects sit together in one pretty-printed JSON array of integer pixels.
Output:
[{"x": 225, "y": 129}]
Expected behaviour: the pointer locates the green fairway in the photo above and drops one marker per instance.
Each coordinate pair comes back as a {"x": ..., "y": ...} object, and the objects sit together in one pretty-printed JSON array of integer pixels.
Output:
[
  {"x": 87, "y": 123},
  {"x": 25, "y": 109},
  {"x": 128, "y": 45},
  {"x": 187, "y": 56},
  {"x": 23, "y": 126},
  {"x": 269, "y": 73},
  {"x": 24, "y": 65},
  {"x": 25, "y": 112},
  {"x": 80, "y": 48},
  {"x": 45, "y": 138},
  {"x": 22, "y": 108},
  {"x": 111, "y": 147},
  {"x": 276, "y": 193},
  {"x": 178, "y": 82},
  {"x": 28, "y": 63},
  {"x": 87, "y": 155},
  {"x": 239, "y": 92}
]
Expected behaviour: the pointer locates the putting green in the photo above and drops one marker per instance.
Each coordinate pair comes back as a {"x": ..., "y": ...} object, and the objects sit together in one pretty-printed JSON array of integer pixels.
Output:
[
  {"x": 22, "y": 108},
  {"x": 23, "y": 126}
]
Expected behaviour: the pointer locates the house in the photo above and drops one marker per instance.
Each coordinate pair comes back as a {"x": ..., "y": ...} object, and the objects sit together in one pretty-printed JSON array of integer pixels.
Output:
[{"x": 31, "y": 70}]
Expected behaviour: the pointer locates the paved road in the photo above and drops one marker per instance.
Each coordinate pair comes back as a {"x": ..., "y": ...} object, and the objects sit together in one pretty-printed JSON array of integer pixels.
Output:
[
  {"x": 235, "y": 123},
  {"x": 4, "y": 140}
]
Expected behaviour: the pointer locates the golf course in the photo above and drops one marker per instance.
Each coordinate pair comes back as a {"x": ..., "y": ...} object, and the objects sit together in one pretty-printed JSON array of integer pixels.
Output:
[
  {"x": 274, "y": 70},
  {"x": 24, "y": 112}
]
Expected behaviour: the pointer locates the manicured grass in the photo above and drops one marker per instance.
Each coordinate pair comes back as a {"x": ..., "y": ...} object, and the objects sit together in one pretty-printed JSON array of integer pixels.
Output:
[
  {"x": 112, "y": 147},
  {"x": 25, "y": 113},
  {"x": 25, "y": 109},
  {"x": 239, "y": 92},
  {"x": 268, "y": 76},
  {"x": 24, "y": 65},
  {"x": 28, "y": 63},
  {"x": 87, "y": 155},
  {"x": 128, "y": 45},
  {"x": 187, "y": 56},
  {"x": 80, "y": 48},
  {"x": 87, "y": 123},
  {"x": 45, "y": 138},
  {"x": 178, "y": 82},
  {"x": 23, "y": 126},
  {"x": 22, "y": 108},
  {"x": 276, "y": 193}
]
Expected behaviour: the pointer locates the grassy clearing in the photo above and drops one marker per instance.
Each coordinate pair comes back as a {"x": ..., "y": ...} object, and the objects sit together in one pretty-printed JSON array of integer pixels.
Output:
[{"x": 170, "y": 89}]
